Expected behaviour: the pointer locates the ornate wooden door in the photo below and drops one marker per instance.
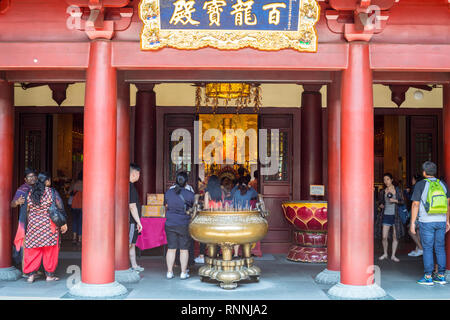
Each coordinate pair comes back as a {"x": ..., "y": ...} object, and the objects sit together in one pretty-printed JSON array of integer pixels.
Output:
[
  {"x": 35, "y": 143},
  {"x": 423, "y": 142},
  {"x": 278, "y": 187},
  {"x": 171, "y": 123}
]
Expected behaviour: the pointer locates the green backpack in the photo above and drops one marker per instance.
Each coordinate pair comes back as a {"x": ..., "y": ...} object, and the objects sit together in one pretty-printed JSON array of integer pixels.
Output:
[{"x": 436, "y": 198}]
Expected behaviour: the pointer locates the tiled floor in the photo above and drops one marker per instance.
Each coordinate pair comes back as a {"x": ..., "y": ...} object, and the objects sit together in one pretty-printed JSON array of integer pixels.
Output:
[{"x": 281, "y": 280}]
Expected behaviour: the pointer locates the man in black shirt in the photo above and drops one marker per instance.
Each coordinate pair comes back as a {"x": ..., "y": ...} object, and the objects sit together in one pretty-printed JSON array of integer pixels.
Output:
[{"x": 135, "y": 216}]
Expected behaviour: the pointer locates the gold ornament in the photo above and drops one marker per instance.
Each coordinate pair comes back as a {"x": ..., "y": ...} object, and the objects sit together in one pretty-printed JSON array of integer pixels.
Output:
[{"x": 223, "y": 93}]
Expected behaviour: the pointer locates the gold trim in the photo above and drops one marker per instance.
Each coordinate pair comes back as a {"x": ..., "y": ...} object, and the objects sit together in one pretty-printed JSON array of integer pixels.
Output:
[{"x": 153, "y": 38}]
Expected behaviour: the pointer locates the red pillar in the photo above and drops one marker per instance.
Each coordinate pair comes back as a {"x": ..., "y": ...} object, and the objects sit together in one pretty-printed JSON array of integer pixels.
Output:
[
  {"x": 357, "y": 156},
  {"x": 145, "y": 137},
  {"x": 334, "y": 173},
  {"x": 357, "y": 160},
  {"x": 122, "y": 258},
  {"x": 311, "y": 139},
  {"x": 6, "y": 170},
  {"x": 446, "y": 118},
  {"x": 331, "y": 275},
  {"x": 99, "y": 166}
]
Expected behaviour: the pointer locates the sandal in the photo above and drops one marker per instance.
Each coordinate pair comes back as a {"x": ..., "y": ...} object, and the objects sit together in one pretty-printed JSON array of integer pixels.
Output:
[
  {"x": 49, "y": 279},
  {"x": 382, "y": 257},
  {"x": 395, "y": 259}
]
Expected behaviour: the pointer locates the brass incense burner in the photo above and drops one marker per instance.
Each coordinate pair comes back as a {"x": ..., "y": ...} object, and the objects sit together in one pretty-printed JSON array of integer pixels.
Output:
[{"x": 224, "y": 229}]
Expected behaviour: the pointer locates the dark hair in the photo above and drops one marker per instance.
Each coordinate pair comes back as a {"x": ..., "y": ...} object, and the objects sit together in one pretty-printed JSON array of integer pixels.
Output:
[
  {"x": 181, "y": 181},
  {"x": 387, "y": 174},
  {"x": 39, "y": 187},
  {"x": 241, "y": 171},
  {"x": 418, "y": 177},
  {"x": 28, "y": 171},
  {"x": 134, "y": 166},
  {"x": 213, "y": 188},
  {"x": 80, "y": 175},
  {"x": 242, "y": 185},
  {"x": 256, "y": 174},
  {"x": 430, "y": 168}
]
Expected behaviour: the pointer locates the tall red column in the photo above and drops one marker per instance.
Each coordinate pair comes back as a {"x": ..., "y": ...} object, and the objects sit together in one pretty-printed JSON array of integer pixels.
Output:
[
  {"x": 122, "y": 258},
  {"x": 7, "y": 272},
  {"x": 334, "y": 174},
  {"x": 311, "y": 139},
  {"x": 99, "y": 176},
  {"x": 309, "y": 235},
  {"x": 145, "y": 137},
  {"x": 331, "y": 275},
  {"x": 357, "y": 159},
  {"x": 446, "y": 119}
]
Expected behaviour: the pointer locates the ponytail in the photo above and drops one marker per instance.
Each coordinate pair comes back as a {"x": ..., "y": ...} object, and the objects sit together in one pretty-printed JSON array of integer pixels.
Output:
[{"x": 39, "y": 188}]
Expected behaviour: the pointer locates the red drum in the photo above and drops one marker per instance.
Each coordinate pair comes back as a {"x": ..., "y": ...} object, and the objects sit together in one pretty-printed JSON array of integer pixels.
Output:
[{"x": 309, "y": 219}]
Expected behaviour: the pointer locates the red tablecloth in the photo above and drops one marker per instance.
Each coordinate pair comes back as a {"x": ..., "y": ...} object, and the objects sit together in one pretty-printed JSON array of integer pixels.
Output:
[{"x": 153, "y": 234}]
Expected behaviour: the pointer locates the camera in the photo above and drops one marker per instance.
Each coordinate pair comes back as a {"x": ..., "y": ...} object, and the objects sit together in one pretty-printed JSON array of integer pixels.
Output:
[{"x": 389, "y": 195}]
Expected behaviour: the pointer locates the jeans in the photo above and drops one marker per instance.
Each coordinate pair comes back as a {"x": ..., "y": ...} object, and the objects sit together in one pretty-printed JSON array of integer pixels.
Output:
[
  {"x": 77, "y": 220},
  {"x": 432, "y": 234}
]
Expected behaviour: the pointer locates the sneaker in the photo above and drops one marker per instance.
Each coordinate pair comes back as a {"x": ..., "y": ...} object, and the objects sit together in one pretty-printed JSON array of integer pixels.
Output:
[
  {"x": 413, "y": 253},
  {"x": 199, "y": 260},
  {"x": 428, "y": 281},
  {"x": 169, "y": 275},
  {"x": 419, "y": 253},
  {"x": 439, "y": 278},
  {"x": 184, "y": 276},
  {"x": 138, "y": 269}
]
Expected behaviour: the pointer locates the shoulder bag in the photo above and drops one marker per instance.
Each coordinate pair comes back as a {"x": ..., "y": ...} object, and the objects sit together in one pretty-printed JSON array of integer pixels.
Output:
[{"x": 56, "y": 215}]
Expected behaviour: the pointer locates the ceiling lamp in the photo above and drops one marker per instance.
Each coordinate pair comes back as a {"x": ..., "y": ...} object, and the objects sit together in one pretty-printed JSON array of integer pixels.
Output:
[{"x": 225, "y": 94}]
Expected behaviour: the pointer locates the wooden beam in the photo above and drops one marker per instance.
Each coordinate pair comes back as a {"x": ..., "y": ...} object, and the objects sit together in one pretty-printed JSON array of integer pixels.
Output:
[
  {"x": 413, "y": 57},
  {"x": 128, "y": 56},
  {"x": 411, "y": 78},
  {"x": 182, "y": 76},
  {"x": 46, "y": 76},
  {"x": 283, "y": 76},
  {"x": 46, "y": 109},
  {"x": 43, "y": 55}
]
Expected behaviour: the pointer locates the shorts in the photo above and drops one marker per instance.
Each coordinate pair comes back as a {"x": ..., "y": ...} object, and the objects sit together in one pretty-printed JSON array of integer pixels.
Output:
[
  {"x": 133, "y": 233},
  {"x": 388, "y": 220},
  {"x": 178, "y": 237}
]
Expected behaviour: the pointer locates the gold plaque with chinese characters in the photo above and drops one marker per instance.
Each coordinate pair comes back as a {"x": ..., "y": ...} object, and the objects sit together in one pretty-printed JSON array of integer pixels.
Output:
[{"x": 229, "y": 24}]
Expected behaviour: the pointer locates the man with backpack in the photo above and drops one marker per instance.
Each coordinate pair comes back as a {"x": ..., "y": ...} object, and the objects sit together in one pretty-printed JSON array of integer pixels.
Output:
[{"x": 430, "y": 205}]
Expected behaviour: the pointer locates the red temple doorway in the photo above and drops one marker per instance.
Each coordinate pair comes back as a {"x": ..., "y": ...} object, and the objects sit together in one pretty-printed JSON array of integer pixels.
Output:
[
  {"x": 50, "y": 139},
  {"x": 276, "y": 188}
]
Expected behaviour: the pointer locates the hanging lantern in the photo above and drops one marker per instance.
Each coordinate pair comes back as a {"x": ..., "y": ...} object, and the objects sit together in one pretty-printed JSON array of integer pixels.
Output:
[{"x": 226, "y": 93}]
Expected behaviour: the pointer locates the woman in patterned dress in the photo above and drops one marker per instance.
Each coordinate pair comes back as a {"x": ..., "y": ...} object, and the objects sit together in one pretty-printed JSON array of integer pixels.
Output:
[{"x": 42, "y": 235}]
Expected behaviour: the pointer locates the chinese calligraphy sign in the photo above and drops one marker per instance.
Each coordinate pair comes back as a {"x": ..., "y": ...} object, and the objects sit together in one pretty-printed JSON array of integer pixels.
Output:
[{"x": 229, "y": 24}]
